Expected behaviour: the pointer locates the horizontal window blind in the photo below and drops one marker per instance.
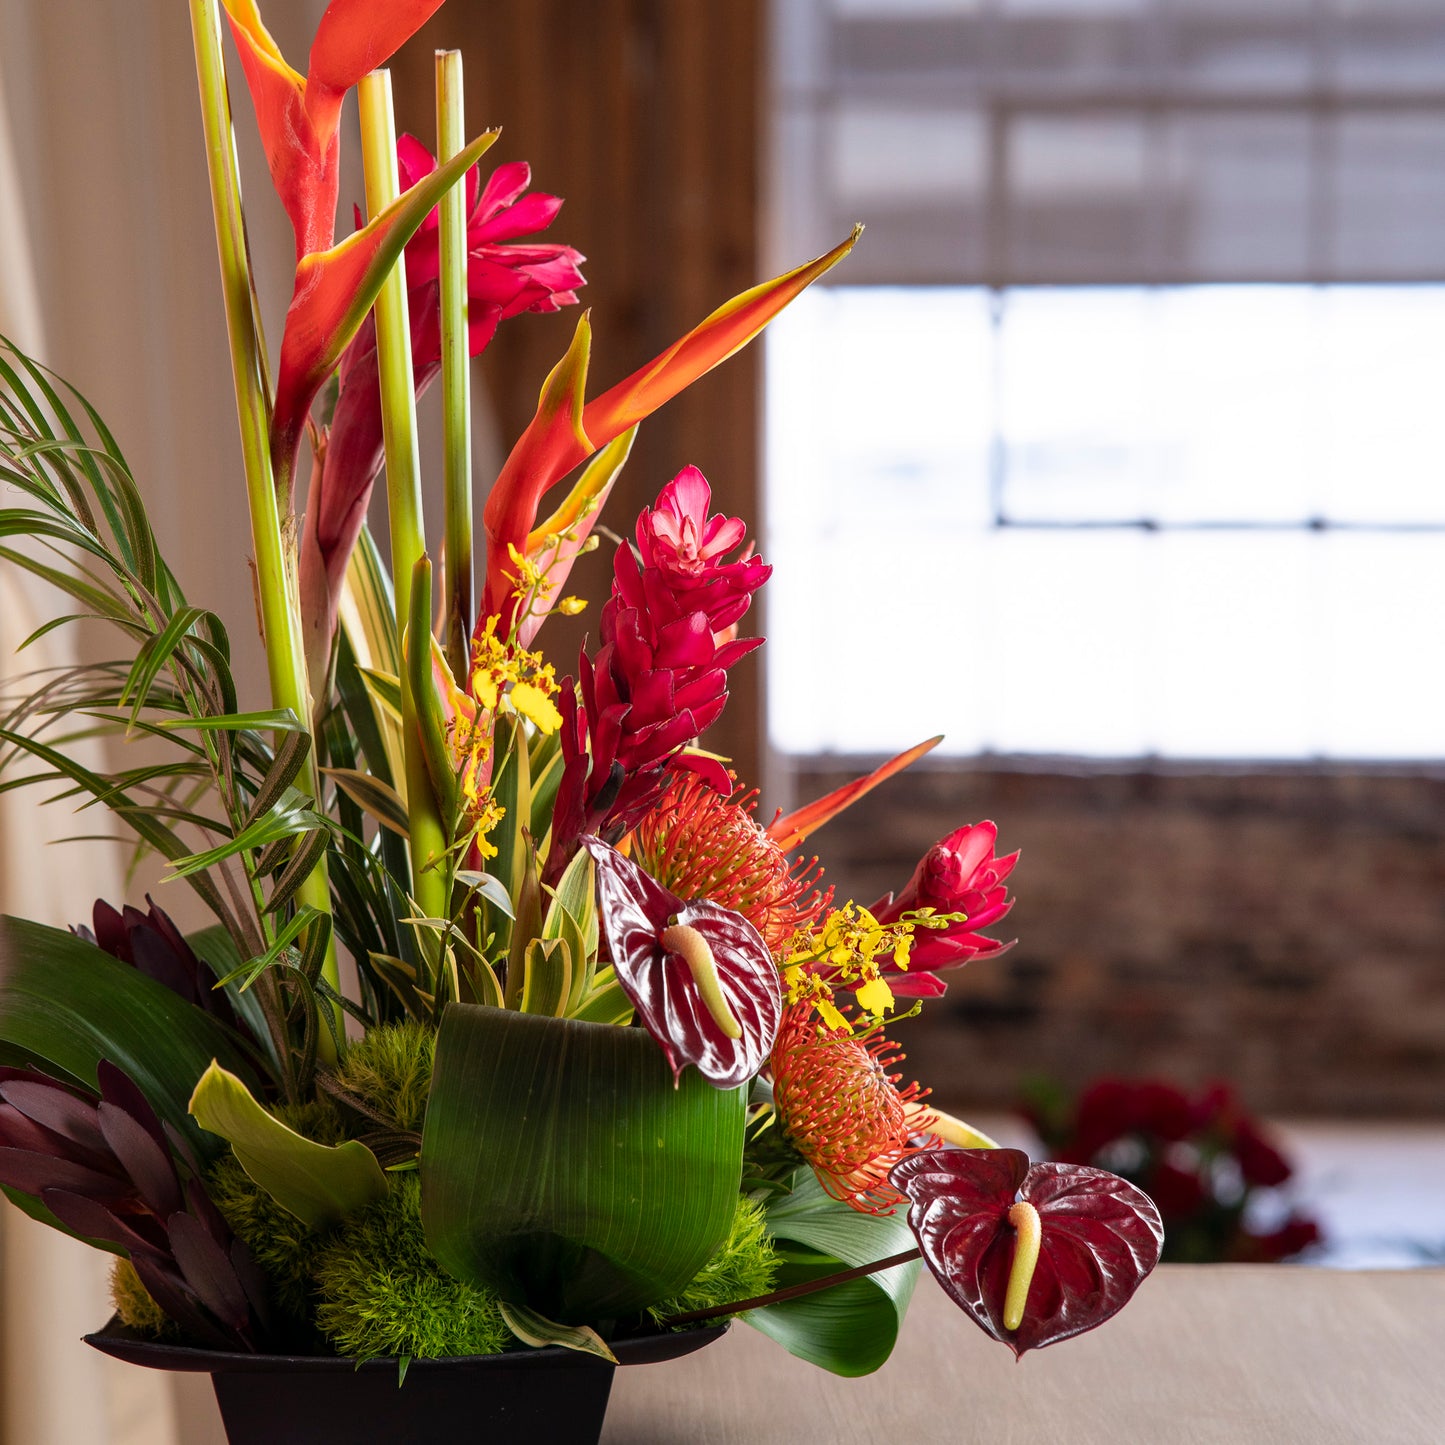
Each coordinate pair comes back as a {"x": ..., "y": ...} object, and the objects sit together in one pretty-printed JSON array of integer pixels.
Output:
[{"x": 1095, "y": 142}]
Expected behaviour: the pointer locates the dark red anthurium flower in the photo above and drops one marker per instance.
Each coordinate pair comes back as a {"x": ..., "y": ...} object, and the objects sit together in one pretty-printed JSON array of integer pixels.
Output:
[
  {"x": 700, "y": 976},
  {"x": 1098, "y": 1238}
]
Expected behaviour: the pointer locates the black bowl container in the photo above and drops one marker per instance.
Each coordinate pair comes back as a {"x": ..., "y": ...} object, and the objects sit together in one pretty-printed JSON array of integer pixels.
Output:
[{"x": 556, "y": 1396}]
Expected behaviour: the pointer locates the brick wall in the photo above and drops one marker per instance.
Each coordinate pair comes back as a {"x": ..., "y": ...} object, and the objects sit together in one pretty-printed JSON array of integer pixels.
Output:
[{"x": 1282, "y": 929}]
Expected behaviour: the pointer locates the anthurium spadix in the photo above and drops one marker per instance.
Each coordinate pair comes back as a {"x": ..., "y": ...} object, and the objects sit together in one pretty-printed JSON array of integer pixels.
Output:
[
  {"x": 700, "y": 976},
  {"x": 297, "y": 115},
  {"x": 334, "y": 291},
  {"x": 567, "y": 428}
]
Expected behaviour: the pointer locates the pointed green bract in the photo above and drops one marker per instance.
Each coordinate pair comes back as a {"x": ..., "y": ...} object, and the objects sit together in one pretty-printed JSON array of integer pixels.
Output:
[
  {"x": 561, "y": 1168},
  {"x": 537, "y": 1330},
  {"x": 318, "y": 1183}
]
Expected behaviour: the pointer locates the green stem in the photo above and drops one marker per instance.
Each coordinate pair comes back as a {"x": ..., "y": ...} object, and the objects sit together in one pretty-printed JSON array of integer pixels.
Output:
[
  {"x": 428, "y": 843},
  {"x": 279, "y": 617},
  {"x": 793, "y": 1291},
  {"x": 456, "y": 397}
]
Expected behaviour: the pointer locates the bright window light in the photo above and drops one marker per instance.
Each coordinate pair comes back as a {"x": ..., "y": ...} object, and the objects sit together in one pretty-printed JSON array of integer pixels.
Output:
[{"x": 1194, "y": 522}]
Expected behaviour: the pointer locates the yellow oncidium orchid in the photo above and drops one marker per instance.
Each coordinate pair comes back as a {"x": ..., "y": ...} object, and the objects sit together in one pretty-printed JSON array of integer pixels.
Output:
[{"x": 847, "y": 950}]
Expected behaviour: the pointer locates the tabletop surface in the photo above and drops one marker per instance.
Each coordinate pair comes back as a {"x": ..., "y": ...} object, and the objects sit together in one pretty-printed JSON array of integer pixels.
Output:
[{"x": 1234, "y": 1354}]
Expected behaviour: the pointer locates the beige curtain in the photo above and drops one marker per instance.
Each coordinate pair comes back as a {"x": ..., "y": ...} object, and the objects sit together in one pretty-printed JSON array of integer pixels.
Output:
[
  {"x": 105, "y": 234},
  {"x": 52, "y": 1290}
]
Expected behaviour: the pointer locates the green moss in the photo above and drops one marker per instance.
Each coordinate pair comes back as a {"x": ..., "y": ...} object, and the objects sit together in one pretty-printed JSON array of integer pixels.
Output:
[
  {"x": 380, "y": 1292},
  {"x": 744, "y": 1266},
  {"x": 135, "y": 1306},
  {"x": 391, "y": 1069},
  {"x": 282, "y": 1246}
]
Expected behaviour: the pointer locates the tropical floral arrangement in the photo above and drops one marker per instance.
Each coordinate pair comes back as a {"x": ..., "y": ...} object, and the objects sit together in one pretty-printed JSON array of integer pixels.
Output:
[
  {"x": 514, "y": 1025},
  {"x": 1218, "y": 1179}
]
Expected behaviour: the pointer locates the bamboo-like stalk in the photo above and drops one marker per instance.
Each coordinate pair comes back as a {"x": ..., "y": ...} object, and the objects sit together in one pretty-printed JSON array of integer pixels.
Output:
[
  {"x": 428, "y": 842},
  {"x": 285, "y": 660},
  {"x": 456, "y": 394}
]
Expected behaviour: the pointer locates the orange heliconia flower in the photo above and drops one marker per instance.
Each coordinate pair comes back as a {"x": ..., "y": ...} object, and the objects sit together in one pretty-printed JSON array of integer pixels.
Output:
[
  {"x": 842, "y": 1108},
  {"x": 703, "y": 845}
]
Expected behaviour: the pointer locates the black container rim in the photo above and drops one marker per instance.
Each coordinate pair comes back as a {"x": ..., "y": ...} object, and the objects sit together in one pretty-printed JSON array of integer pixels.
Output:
[{"x": 123, "y": 1343}]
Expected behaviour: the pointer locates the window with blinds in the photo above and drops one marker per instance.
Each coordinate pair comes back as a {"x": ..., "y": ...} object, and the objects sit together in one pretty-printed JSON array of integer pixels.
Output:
[{"x": 1120, "y": 431}]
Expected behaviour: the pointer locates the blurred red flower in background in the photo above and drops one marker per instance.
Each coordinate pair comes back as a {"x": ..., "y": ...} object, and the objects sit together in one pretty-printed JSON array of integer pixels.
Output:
[{"x": 1202, "y": 1159}]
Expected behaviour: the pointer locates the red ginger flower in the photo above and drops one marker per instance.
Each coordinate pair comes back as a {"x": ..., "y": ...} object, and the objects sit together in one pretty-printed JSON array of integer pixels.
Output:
[
  {"x": 959, "y": 874},
  {"x": 701, "y": 844},
  {"x": 688, "y": 547},
  {"x": 843, "y": 1110},
  {"x": 504, "y": 278},
  {"x": 659, "y": 679}
]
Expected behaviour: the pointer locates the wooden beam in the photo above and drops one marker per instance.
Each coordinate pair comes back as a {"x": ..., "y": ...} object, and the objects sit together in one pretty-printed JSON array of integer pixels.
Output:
[{"x": 645, "y": 116}]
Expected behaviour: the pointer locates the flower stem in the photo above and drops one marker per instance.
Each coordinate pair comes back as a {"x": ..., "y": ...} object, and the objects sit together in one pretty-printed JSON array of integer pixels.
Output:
[
  {"x": 428, "y": 843},
  {"x": 285, "y": 660},
  {"x": 456, "y": 396},
  {"x": 793, "y": 1291}
]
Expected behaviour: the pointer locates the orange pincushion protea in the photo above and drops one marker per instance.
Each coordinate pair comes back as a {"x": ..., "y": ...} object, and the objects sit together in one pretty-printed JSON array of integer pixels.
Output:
[
  {"x": 700, "y": 844},
  {"x": 843, "y": 1109}
]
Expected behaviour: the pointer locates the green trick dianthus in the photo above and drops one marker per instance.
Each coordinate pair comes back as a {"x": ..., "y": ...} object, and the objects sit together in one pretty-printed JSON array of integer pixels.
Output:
[
  {"x": 744, "y": 1266},
  {"x": 379, "y": 1291},
  {"x": 391, "y": 1068},
  {"x": 134, "y": 1305}
]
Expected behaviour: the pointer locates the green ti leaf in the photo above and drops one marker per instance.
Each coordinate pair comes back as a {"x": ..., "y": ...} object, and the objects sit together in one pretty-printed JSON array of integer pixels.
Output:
[
  {"x": 66, "y": 1005},
  {"x": 851, "y": 1328},
  {"x": 562, "y": 1169}
]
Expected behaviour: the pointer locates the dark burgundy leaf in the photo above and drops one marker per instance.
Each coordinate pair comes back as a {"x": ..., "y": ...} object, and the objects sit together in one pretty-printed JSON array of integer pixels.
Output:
[
  {"x": 198, "y": 1202},
  {"x": 116, "y": 1087},
  {"x": 181, "y": 1148},
  {"x": 206, "y": 1267},
  {"x": 146, "y": 1163},
  {"x": 33, "y": 1173},
  {"x": 1100, "y": 1238},
  {"x": 636, "y": 910},
  {"x": 18, "y": 1131},
  {"x": 64, "y": 1111},
  {"x": 137, "y": 1234},
  {"x": 158, "y": 961},
  {"x": 166, "y": 1287},
  {"x": 252, "y": 1281},
  {"x": 111, "y": 933}
]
